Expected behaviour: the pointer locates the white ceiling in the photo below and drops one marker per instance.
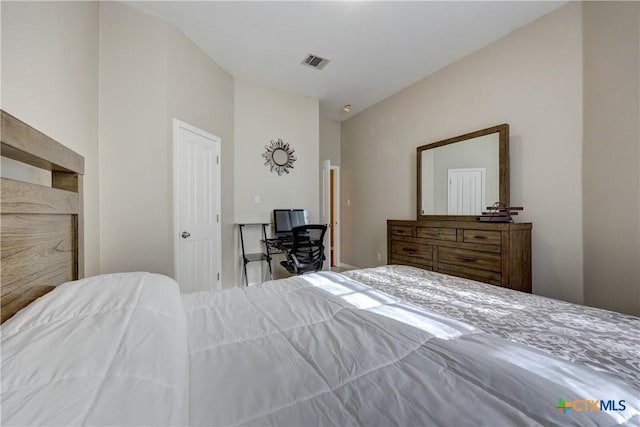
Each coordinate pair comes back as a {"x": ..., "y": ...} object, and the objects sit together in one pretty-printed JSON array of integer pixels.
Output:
[{"x": 375, "y": 48}]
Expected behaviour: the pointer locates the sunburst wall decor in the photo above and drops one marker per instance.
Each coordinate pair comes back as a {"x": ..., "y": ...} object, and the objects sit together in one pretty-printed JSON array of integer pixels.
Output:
[{"x": 279, "y": 156}]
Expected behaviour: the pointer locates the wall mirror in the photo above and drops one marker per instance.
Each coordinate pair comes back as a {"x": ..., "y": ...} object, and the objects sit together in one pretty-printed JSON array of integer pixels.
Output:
[
  {"x": 458, "y": 178},
  {"x": 279, "y": 156}
]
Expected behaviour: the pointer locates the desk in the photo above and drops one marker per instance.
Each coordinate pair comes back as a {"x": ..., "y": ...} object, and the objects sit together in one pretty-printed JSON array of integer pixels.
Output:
[{"x": 272, "y": 246}]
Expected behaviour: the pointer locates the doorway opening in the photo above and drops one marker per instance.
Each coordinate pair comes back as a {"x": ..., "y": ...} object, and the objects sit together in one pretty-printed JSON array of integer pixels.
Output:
[
  {"x": 334, "y": 214},
  {"x": 330, "y": 212}
]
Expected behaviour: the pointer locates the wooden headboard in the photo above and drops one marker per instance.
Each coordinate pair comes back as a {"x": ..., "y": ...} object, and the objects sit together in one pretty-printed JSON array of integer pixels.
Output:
[{"x": 41, "y": 236}]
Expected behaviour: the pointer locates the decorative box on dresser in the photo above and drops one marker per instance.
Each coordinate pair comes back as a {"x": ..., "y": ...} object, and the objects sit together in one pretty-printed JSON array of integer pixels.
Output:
[{"x": 495, "y": 253}]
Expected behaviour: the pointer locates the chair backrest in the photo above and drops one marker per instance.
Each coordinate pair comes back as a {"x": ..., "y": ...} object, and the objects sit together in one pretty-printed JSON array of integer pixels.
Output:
[{"x": 308, "y": 247}]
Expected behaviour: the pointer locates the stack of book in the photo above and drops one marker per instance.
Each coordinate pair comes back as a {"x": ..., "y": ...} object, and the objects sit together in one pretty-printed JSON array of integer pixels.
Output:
[{"x": 500, "y": 213}]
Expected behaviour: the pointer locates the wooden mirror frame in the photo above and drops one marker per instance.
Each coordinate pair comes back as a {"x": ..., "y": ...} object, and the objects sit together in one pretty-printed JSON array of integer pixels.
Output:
[{"x": 503, "y": 168}]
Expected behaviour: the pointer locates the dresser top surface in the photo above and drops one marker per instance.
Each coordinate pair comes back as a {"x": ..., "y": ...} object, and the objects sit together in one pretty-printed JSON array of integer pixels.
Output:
[{"x": 477, "y": 225}]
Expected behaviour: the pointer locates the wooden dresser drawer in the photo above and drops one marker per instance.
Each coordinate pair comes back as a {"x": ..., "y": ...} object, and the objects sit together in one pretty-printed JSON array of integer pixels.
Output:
[
  {"x": 470, "y": 259},
  {"x": 472, "y": 273},
  {"x": 485, "y": 237},
  {"x": 402, "y": 230},
  {"x": 409, "y": 249},
  {"x": 436, "y": 233}
]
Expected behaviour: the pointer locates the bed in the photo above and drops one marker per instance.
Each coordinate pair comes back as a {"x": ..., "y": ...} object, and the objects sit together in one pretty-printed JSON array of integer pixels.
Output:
[
  {"x": 318, "y": 349},
  {"x": 391, "y": 345}
]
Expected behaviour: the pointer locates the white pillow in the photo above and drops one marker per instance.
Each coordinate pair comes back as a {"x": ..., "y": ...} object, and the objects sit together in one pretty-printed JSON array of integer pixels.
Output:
[{"x": 106, "y": 350}]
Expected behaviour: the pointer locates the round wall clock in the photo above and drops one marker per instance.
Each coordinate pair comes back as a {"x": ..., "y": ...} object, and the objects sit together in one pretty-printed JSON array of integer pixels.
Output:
[{"x": 279, "y": 156}]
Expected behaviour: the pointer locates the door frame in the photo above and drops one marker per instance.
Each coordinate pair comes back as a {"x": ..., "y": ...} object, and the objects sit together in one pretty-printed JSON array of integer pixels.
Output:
[
  {"x": 178, "y": 124},
  {"x": 324, "y": 212},
  {"x": 336, "y": 228}
]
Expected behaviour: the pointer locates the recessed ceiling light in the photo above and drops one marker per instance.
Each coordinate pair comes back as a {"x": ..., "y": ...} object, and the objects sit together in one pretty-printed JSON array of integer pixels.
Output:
[{"x": 346, "y": 108}]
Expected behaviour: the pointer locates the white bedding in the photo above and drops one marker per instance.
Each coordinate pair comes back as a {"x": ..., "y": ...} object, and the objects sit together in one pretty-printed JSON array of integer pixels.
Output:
[
  {"x": 108, "y": 350},
  {"x": 318, "y": 349}
]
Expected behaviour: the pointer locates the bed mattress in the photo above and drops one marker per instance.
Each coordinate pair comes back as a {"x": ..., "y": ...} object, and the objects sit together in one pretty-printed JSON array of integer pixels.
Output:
[{"x": 319, "y": 349}]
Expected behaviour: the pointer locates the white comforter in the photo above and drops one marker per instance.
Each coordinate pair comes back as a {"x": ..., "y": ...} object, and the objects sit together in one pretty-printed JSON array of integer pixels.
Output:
[
  {"x": 313, "y": 350},
  {"x": 108, "y": 350}
]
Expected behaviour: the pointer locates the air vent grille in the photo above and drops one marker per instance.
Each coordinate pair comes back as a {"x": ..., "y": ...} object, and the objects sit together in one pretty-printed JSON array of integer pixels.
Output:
[{"x": 315, "y": 61}]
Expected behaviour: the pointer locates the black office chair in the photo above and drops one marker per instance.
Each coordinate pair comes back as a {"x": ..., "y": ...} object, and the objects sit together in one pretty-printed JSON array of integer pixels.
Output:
[{"x": 307, "y": 251}]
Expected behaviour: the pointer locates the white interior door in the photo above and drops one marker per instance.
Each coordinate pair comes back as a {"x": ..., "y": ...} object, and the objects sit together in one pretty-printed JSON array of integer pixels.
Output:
[
  {"x": 196, "y": 208},
  {"x": 325, "y": 206},
  {"x": 466, "y": 191}
]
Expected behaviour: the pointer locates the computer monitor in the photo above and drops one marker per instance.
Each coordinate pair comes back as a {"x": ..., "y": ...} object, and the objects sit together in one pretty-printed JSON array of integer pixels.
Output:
[{"x": 285, "y": 219}]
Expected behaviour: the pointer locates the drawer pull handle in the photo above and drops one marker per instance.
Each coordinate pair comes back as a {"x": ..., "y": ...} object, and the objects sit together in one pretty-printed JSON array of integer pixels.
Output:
[
  {"x": 410, "y": 250},
  {"x": 480, "y": 237},
  {"x": 467, "y": 259}
]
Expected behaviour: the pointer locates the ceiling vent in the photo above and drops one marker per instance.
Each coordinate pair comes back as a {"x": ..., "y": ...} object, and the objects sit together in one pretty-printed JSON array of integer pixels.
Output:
[{"x": 314, "y": 61}]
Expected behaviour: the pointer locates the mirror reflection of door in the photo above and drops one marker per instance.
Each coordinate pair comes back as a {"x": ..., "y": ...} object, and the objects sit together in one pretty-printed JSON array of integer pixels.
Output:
[{"x": 466, "y": 191}]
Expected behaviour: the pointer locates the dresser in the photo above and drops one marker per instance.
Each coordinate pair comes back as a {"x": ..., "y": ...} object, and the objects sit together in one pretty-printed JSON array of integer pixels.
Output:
[{"x": 495, "y": 253}]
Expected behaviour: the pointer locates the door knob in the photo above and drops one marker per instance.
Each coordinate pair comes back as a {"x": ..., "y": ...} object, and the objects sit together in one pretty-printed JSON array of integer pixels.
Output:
[{"x": 185, "y": 234}]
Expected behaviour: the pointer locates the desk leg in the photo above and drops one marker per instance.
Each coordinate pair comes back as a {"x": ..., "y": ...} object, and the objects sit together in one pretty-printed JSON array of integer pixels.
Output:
[
  {"x": 269, "y": 264},
  {"x": 245, "y": 261},
  {"x": 266, "y": 247}
]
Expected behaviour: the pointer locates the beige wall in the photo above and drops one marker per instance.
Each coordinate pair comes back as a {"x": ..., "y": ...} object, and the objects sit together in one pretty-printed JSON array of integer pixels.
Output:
[
  {"x": 150, "y": 73},
  {"x": 330, "y": 141},
  {"x": 330, "y": 149},
  {"x": 532, "y": 79},
  {"x": 611, "y": 155},
  {"x": 261, "y": 115},
  {"x": 50, "y": 81},
  {"x": 200, "y": 93}
]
